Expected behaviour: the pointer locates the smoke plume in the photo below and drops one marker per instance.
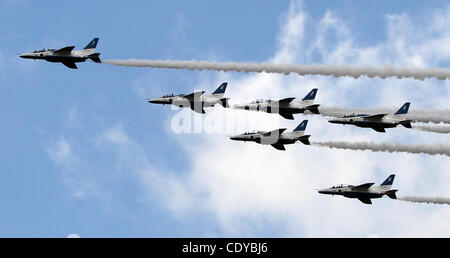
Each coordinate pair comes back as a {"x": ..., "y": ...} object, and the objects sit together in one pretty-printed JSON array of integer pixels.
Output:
[
  {"x": 435, "y": 200},
  {"x": 437, "y": 149},
  {"x": 336, "y": 71},
  {"x": 433, "y": 129}
]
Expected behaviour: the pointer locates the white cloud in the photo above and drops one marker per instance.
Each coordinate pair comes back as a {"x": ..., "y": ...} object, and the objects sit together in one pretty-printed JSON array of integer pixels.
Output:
[
  {"x": 73, "y": 236},
  {"x": 60, "y": 151}
]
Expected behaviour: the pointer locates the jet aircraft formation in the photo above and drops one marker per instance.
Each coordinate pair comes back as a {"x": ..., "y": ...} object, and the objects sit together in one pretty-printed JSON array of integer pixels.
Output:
[{"x": 285, "y": 107}]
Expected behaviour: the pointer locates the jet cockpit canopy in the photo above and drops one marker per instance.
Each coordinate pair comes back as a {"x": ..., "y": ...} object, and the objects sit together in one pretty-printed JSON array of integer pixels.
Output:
[
  {"x": 354, "y": 115},
  {"x": 258, "y": 101},
  {"x": 251, "y": 132},
  {"x": 340, "y": 186}
]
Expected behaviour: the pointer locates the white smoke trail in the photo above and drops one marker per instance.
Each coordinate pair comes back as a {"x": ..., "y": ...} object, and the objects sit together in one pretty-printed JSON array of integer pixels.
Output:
[
  {"x": 433, "y": 129},
  {"x": 435, "y": 200},
  {"x": 437, "y": 149},
  {"x": 337, "y": 71},
  {"x": 423, "y": 116}
]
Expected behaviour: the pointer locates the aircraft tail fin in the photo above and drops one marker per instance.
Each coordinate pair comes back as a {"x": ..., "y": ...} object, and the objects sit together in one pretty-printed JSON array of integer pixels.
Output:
[
  {"x": 387, "y": 184},
  {"x": 95, "y": 57},
  {"x": 221, "y": 90},
  {"x": 391, "y": 194},
  {"x": 309, "y": 98},
  {"x": 302, "y": 126},
  {"x": 92, "y": 44},
  {"x": 403, "y": 110}
]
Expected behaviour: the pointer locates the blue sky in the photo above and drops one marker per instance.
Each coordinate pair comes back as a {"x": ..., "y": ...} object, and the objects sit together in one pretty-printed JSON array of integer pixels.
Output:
[{"x": 83, "y": 153}]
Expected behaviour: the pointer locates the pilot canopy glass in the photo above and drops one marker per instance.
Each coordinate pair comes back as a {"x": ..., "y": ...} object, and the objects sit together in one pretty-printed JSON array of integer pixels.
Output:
[
  {"x": 258, "y": 101},
  {"x": 354, "y": 115},
  {"x": 341, "y": 186}
]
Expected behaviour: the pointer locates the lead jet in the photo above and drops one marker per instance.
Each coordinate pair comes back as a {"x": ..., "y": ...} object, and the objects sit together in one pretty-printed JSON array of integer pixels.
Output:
[
  {"x": 378, "y": 122},
  {"x": 284, "y": 107},
  {"x": 196, "y": 101},
  {"x": 364, "y": 192},
  {"x": 276, "y": 138},
  {"x": 66, "y": 55}
]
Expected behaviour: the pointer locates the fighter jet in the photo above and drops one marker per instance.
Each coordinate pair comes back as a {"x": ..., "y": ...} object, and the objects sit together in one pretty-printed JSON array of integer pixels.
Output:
[
  {"x": 285, "y": 107},
  {"x": 364, "y": 192},
  {"x": 377, "y": 122},
  {"x": 196, "y": 101},
  {"x": 66, "y": 55},
  {"x": 276, "y": 138}
]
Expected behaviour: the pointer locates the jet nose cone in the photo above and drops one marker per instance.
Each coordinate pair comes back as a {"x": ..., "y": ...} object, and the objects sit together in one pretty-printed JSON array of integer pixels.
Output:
[
  {"x": 26, "y": 56},
  {"x": 236, "y": 138},
  {"x": 156, "y": 101},
  {"x": 160, "y": 101}
]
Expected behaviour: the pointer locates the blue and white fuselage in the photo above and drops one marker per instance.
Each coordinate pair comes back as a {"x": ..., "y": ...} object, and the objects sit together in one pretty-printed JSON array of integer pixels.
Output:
[
  {"x": 277, "y": 138},
  {"x": 66, "y": 55},
  {"x": 286, "y": 107},
  {"x": 195, "y": 101},
  {"x": 378, "y": 122},
  {"x": 364, "y": 192}
]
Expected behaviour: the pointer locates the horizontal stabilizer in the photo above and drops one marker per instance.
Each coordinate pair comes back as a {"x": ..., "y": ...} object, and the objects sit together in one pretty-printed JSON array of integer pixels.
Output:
[
  {"x": 277, "y": 132},
  {"x": 304, "y": 139},
  {"x": 278, "y": 146},
  {"x": 71, "y": 65},
  {"x": 224, "y": 102},
  {"x": 365, "y": 200},
  {"x": 95, "y": 57},
  {"x": 64, "y": 50},
  {"x": 391, "y": 194},
  {"x": 313, "y": 109},
  {"x": 285, "y": 101},
  {"x": 406, "y": 123},
  {"x": 287, "y": 116},
  {"x": 363, "y": 187}
]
